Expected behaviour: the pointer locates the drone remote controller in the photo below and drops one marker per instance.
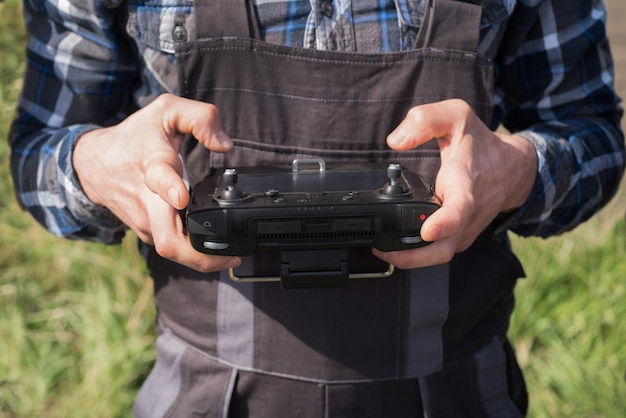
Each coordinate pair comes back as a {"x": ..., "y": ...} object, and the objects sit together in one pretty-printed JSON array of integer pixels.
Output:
[{"x": 293, "y": 208}]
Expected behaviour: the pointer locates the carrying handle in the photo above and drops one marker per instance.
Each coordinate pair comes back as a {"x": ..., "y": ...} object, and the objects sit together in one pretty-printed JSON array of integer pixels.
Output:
[{"x": 296, "y": 163}]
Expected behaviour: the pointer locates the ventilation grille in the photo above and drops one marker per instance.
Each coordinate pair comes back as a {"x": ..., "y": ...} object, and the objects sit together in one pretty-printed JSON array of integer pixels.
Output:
[{"x": 314, "y": 235}]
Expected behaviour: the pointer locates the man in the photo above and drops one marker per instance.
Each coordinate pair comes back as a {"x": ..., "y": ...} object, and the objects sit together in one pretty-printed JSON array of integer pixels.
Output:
[{"x": 117, "y": 92}]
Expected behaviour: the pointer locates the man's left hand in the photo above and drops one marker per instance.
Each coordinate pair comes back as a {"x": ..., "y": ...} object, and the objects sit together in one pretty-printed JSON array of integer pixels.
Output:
[{"x": 483, "y": 174}]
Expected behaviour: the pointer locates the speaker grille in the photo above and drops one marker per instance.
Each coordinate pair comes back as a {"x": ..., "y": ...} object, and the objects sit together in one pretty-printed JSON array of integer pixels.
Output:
[{"x": 314, "y": 235}]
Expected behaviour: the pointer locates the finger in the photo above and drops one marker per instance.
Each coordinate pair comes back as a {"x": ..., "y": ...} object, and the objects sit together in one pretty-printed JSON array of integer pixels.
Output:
[
  {"x": 163, "y": 176},
  {"x": 170, "y": 241},
  {"x": 453, "y": 187},
  {"x": 439, "y": 252},
  {"x": 185, "y": 116},
  {"x": 425, "y": 122}
]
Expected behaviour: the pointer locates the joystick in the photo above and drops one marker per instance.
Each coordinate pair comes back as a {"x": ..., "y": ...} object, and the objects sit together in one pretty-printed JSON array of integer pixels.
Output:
[
  {"x": 394, "y": 188},
  {"x": 231, "y": 193}
]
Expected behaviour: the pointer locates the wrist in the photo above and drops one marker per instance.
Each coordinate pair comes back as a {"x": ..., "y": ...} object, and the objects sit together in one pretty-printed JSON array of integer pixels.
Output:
[
  {"x": 103, "y": 223},
  {"x": 87, "y": 167},
  {"x": 523, "y": 163}
]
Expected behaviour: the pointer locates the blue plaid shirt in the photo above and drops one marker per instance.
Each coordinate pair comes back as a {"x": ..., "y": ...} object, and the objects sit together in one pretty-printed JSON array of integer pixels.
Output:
[{"x": 92, "y": 63}]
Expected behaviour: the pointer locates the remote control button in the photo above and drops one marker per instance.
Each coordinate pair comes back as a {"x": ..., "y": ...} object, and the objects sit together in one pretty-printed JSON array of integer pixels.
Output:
[
  {"x": 413, "y": 218},
  {"x": 413, "y": 239},
  {"x": 209, "y": 223},
  {"x": 213, "y": 245}
]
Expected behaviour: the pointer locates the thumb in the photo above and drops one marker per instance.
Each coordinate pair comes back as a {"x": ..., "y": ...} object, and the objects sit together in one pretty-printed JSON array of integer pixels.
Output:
[
  {"x": 200, "y": 119},
  {"x": 424, "y": 122}
]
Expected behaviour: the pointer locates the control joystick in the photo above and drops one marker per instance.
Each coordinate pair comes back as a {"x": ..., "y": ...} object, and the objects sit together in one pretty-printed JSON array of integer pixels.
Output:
[
  {"x": 394, "y": 188},
  {"x": 231, "y": 193}
]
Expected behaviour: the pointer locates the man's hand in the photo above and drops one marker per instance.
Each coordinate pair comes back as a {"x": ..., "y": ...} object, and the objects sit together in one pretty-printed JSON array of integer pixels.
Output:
[
  {"x": 482, "y": 174},
  {"x": 134, "y": 170}
]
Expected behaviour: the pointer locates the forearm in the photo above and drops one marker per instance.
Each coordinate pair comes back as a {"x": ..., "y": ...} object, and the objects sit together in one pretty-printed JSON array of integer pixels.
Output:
[
  {"x": 556, "y": 88},
  {"x": 78, "y": 77},
  {"x": 47, "y": 186},
  {"x": 579, "y": 170}
]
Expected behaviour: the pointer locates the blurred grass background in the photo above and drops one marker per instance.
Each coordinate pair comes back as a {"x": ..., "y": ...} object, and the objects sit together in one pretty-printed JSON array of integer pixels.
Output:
[{"x": 76, "y": 319}]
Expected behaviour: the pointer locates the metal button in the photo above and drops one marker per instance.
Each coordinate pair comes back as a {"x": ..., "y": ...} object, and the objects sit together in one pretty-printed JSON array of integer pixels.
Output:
[
  {"x": 327, "y": 8},
  {"x": 179, "y": 33},
  {"x": 215, "y": 245},
  {"x": 411, "y": 240}
]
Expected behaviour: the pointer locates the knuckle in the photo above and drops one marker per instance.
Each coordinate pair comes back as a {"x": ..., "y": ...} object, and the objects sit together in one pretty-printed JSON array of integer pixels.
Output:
[
  {"x": 212, "y": 111},
  {"x": 204, "y": 266},
  {"x": 140, "y": 225},
  {"x": 447, "y": 254},
  {"x": 462, "y": 107},
  {"x": 164, "y": 248},
  {"x": 161, "y": 166},
  {"x": 164, "y": 100},
  {"x": 416, "y": 114}
]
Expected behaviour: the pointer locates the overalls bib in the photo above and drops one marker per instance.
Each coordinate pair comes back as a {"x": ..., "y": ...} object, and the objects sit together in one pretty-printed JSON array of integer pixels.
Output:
[{"x": 384, "y": 341}]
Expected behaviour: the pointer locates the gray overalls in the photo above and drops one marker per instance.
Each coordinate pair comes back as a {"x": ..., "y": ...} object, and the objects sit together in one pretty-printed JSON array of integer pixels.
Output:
[{"x": 427, "y": 342}]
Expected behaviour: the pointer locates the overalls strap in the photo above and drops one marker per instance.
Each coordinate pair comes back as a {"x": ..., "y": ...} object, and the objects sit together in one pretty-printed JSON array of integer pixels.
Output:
[
  {"x": 450, "y": 24},
  {"x": 226, "y": 18}
]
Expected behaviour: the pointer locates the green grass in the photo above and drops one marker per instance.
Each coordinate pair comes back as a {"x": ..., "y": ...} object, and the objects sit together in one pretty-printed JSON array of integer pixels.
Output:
[
  {"x": 76, "y": 319},
  {"x": 568, "y": 328}
]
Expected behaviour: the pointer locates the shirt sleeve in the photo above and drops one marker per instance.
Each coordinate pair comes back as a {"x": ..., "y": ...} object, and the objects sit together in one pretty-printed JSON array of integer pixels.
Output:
[
  {"x": 556, "y": 88},
  {"x": 78, "y": 77}
]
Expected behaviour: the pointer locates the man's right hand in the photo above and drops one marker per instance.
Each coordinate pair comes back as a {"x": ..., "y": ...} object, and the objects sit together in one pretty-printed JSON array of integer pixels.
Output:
[{"x": 134, "y": 170}]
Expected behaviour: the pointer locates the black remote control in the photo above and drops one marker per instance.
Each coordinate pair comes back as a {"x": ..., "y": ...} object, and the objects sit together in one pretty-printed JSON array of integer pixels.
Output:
[{"x": 296, "y": 208}]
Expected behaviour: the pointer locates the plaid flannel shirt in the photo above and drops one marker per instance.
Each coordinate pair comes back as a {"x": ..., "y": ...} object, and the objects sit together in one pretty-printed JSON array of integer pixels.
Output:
[{"x": 92, "y": 63}]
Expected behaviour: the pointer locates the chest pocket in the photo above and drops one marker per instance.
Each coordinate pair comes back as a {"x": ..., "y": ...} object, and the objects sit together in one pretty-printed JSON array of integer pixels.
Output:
[
  {"x": 156, "y": 26},
  {"x": 495, "y": 14}
]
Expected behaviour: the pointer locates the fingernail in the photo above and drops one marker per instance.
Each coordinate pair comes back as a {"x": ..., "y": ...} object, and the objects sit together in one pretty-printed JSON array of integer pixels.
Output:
[
  {"x": 435, "y": 232},
  {"x": 224, "y": 139},
  {"x": 174, "y": 197}
]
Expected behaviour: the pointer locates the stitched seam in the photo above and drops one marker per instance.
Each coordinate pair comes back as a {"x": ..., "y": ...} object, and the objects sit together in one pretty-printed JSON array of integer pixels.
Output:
[
  {"x": 360, "y": 59},
  {"x": 326, "y": 100}
]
